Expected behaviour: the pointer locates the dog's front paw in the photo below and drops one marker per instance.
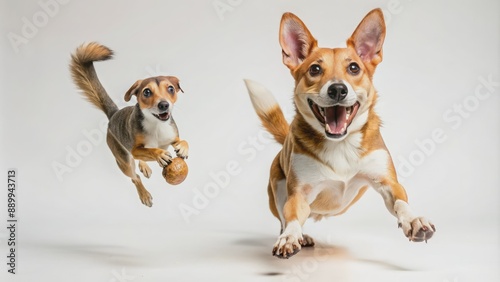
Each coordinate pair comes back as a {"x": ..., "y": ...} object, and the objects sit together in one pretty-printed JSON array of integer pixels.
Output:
[
  {"x": 163, "y": 158},
  {"x": 181, "y": 149},
  {"x": 287, "y": 246},
  {"x": 418, "y": 230}
]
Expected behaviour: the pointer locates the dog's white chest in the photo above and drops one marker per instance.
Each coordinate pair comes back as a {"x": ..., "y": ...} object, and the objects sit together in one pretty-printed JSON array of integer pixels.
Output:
[
  {"x": 159, "y": 134},
  {"x": 328, "y": 191}
]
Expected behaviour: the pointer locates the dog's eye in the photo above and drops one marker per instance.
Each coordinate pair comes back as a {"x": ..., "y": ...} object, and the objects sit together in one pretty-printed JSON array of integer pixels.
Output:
[
  {"x": 147, "y": 92},
  {"x": 353, "y": 68},
  {"x": 171, "y": 89},
  {"x": 315, "y": 70}
]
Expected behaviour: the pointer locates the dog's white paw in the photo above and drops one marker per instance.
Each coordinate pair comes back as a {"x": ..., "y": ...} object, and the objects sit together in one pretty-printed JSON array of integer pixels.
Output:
[
  {"x": 145, "y": 169},
  {"x": 291, "y": 241},
  {"x": 418, "y": 229},
  {"x": 287, "y": 246}
]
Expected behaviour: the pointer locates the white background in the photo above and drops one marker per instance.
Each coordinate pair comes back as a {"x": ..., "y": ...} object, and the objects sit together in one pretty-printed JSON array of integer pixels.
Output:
[{"x": 87, "y": 223}]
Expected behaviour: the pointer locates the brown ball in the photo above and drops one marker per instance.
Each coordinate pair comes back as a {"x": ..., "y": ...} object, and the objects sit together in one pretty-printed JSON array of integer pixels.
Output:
[{"x": 175, "y": 172}]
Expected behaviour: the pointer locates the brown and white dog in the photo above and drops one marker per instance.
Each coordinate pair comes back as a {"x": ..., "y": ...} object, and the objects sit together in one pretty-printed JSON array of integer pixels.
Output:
[
  {"x": 332, "y": 151},
  {"x": 143, "y": 132}
]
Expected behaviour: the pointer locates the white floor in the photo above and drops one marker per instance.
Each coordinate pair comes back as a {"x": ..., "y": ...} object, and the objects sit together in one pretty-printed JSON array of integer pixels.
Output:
[{"x": 76, "y": 251}]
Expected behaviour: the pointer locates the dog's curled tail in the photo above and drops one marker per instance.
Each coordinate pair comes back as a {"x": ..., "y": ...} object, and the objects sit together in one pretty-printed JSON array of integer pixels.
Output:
[
  {"x": 85, "y": 77},
  {"x": 268, "y": 110}
]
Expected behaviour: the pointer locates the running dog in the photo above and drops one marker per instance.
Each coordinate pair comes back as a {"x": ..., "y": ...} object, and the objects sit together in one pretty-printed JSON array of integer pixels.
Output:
[
  {"x": 332, "y": 151},
  {"x": 143, "y": 132}
]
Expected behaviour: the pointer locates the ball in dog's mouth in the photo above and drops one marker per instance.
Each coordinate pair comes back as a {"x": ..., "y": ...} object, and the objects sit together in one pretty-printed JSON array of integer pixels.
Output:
[
  {"x": 163, "y": 116},
  {"x": 335, "y": 119}
]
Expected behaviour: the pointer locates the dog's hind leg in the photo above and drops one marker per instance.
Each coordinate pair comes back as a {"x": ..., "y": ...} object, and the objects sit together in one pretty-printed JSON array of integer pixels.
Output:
[
  {"x": 145, "y": 169},
  {"x": 126, "y": 163}
]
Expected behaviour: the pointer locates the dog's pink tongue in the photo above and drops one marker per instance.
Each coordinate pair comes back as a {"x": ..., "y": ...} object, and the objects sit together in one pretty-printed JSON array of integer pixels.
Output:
[{"x": 335, "y": 119}]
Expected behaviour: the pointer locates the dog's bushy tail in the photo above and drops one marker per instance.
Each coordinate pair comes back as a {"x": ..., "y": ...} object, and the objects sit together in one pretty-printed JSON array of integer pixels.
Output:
[
  {"x": 268, "y": 110},
  {"x": 85, "y": 77}
]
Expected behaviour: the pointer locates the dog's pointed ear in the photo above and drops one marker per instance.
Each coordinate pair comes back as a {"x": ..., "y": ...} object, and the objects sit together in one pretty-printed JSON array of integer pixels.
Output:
[
  {"x": 296, "y": 41},
  {"x": 368, "y": 37},
  {"x": 133, "y": 90}
]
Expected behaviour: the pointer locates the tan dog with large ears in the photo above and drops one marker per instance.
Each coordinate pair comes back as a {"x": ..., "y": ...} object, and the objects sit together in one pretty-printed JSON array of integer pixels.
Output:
[
  {"x": 332, "y": 151},
  {"x": 142, "y": 132}
]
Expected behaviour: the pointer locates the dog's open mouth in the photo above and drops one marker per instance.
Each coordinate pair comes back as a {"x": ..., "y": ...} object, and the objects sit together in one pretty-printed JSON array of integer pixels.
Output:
[
  {"x": 163, "y": 116},
  {"x": 335, "y": 119}
]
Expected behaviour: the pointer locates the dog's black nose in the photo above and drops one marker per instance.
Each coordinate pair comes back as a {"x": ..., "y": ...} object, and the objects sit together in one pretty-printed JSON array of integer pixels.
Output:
[
  {"x": 337, "y": 91},
  {"x": 163, "y": 106}
]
